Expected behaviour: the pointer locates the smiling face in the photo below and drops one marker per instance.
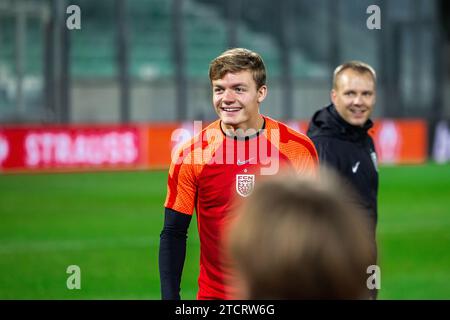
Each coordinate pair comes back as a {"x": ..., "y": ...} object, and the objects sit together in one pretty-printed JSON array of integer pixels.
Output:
[
  {"x": 236, "y": 100},
  {"x": 354, "y": 96}
]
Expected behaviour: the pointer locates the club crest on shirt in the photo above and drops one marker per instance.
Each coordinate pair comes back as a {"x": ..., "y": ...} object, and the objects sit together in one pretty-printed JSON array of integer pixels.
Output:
[{"x": 245, "y": 184}]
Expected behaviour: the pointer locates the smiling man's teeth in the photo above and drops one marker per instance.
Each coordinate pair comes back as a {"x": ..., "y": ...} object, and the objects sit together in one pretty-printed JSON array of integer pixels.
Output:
[
  {"x": 230, "y": 109},
  {"x": 356, "y": 110}
]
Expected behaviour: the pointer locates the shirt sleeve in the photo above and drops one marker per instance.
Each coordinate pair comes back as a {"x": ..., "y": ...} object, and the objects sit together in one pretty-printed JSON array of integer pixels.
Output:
[
  {"x": 182, "y": 183},
  {"x": 302, "y": 155},
  {"x": 172, "y": 253}
]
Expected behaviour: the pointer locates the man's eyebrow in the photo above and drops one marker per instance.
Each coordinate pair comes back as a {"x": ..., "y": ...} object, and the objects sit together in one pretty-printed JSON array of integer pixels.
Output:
[{"x": 239, "y": 84}]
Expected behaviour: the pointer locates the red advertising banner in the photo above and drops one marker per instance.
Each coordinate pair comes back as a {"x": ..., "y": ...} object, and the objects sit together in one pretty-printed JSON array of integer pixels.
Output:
[
  {"x": 396, "y": 141},
  {"x": 401, "y": 141},
  {"x": 159, "y": 144},
  {"x": 111, "y": 147},
  {"x": 163, "y": 139},
  {"x": 70, "y": 148}
]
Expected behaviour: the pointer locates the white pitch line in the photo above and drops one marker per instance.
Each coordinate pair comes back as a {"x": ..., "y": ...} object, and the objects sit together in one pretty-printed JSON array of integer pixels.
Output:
[{"x": 31, "y": 246}]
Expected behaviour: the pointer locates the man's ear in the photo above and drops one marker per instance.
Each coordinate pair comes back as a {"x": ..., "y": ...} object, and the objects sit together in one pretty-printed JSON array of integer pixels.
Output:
[
  {"x": 333, "y": 96},
  {"x": 262, "y": 93}
]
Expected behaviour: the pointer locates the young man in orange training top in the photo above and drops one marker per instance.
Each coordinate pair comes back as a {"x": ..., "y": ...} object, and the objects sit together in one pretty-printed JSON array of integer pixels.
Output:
[{"x": 220, "y": 166}]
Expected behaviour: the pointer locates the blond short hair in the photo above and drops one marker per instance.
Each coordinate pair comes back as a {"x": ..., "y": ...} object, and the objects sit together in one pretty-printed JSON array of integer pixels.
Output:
[
  {"x": 237, "y": 60},
  {"x": 355, "y": 65},
  {"x": 299, "y": 238}
]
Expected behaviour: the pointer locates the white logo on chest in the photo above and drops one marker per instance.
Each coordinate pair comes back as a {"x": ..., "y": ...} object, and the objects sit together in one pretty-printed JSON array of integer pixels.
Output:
[
  {"x": 240, "y": 163},
  {"x": 355, "y": 167}
]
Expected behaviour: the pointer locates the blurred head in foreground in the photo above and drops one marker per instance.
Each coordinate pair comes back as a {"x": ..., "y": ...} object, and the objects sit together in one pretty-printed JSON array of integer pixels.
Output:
[{"x": 298, "y": 238}]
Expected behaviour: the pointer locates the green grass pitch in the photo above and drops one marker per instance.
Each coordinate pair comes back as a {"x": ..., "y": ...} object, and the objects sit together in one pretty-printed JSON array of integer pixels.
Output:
[{"x": 109, "y": 223}]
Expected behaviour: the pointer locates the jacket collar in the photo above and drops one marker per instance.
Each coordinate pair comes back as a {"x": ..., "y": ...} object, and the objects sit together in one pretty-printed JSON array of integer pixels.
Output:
[
  {"x": 347, "y": 127},
  {"x": 328, "y": 122}
]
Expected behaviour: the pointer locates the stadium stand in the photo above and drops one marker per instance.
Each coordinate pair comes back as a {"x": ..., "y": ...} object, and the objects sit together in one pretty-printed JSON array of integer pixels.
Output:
[{"x": 92, "y": 47}]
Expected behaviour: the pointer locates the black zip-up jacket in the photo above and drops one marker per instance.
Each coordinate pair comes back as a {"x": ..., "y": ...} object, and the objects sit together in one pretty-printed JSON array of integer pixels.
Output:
[{"x": 350, "y": 151}]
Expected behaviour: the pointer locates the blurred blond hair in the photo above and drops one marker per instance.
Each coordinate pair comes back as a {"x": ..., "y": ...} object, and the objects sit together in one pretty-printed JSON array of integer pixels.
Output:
[{"x": 300, "y": 238}]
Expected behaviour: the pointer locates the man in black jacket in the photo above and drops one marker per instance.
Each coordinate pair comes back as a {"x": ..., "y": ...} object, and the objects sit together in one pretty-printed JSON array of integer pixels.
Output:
[{"x": 340, "y": 132}]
